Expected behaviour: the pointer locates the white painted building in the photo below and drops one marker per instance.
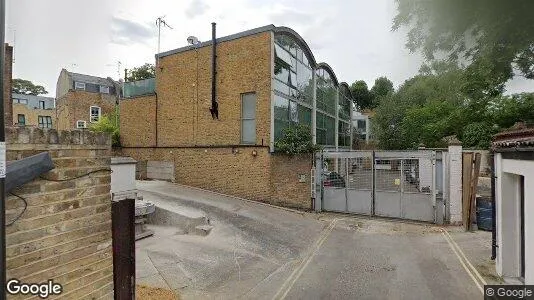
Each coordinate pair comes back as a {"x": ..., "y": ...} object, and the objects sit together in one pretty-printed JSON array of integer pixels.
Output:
[
  {"x": 514, "y": 203},
  {"x": 362, "y": 124}
]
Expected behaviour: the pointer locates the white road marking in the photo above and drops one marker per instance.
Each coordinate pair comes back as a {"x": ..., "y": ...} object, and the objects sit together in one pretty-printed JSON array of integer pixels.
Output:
[
  {"x": 290, "y": 281},
  {"x": 465, "y": 258},
  {"x": 469, "y": 272}
]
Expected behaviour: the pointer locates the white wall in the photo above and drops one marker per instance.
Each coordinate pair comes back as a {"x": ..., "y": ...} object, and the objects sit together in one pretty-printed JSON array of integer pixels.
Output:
[
  {"x": 454, "y": 203},
  {"x": 507, "y": 196}
]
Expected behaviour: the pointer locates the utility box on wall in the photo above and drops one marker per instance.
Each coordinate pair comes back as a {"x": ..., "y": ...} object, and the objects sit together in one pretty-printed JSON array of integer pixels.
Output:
[{"x": 123, "y": 174}]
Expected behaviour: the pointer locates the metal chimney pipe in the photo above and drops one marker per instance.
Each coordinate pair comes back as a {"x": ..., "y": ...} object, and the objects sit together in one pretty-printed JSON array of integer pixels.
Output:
[{"x": 214, "y": 106}]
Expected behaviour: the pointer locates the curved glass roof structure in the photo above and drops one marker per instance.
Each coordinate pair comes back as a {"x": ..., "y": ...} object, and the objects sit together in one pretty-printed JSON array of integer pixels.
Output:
[{"x": 298, "y": 81}]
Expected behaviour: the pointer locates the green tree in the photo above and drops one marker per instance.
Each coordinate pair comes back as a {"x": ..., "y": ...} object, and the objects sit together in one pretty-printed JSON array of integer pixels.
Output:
[
  {"x": 296, "y": 139},
  {"x": 108, "y": 123},
  {"x": 22, "y": 86},
  {"x": 478, "y": 135},
  {"x": 361, "y": 95},
  {"x": 494, "y": 39},
  {"x": 380, "y": 89},
  {"x": 143, "y": 72}
]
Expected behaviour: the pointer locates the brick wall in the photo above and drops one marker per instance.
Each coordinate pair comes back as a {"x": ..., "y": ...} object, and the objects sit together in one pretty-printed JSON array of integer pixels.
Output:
[
  {"x": 75, "y": 106},
  {"x": 235, "y": 171},
  {"x": 65, "y": 232},
  {"x": 32, "y": 115},
  {"x": 243, "y": 65},
  {"x": 138, "y": 121},
  {"x": 286, "y": 186},
  {"x": 8, "y": 81}
]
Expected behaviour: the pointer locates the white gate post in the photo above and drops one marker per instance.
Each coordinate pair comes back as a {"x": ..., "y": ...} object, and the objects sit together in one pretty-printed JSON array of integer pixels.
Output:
[{"x": 454, "y": 203}]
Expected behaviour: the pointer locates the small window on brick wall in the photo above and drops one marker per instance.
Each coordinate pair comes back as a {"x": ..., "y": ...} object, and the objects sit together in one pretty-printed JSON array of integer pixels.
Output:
[
  {"x": 21, "y": 120},
  {"x": 94, "y": 114},
  {"x": 79, "y": 86},
  {"x": 81, "y": 124},
  {"x": 45, "y": 121},
  {"x": 248, "y": 118}
]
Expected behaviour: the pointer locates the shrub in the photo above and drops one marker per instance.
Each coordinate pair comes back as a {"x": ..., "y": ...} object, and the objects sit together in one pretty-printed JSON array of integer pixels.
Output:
[
  {"x": 296, "y": 139},
  {"x": 108, "y": 124}
]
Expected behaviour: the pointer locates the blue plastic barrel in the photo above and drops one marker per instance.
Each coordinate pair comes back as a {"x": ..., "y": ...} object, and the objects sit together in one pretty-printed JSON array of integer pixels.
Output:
[{"x": 484, "y": 213}]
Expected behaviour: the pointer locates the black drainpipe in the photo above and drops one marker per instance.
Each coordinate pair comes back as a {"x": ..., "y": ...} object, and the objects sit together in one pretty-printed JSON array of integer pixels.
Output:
[
  {"x": 493, "y": 220},
  {"x": 214, "y": 106}
]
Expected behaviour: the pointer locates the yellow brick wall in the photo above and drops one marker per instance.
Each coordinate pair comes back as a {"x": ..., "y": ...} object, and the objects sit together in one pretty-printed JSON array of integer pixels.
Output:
[
  {"x": 31, "y": 115},
  {"x": 65, "y": 232},
  {"x": 287, "y": 190},
  {"x": 243, "y": 65},
  {"x": 231, "y": 171},
  {"x": 138, "y": 121},
  {"x": 75, "y": 106}
]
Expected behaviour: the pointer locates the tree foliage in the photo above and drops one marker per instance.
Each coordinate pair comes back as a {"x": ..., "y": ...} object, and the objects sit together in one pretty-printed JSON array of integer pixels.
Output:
[
  {"x": 296, "y": 139},
  {"x": 493, "y": 39},
  {"x": 108, "y": 123},
  {"x": 22, "y": 86},
  {"x": 382, "y": 87},
  {"x": 361, "y": 95},
  {"x": 433, "y": 105},
  {"x": 143, "y": 72}
]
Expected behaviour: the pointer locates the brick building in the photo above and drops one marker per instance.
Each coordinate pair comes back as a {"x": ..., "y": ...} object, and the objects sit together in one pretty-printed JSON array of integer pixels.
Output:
[
  {"x": 8, "y": 82},
  {"x": 30, "y": 110},
  {"x": 266, "y": 80},
  {"x": 83, "y": 99}
]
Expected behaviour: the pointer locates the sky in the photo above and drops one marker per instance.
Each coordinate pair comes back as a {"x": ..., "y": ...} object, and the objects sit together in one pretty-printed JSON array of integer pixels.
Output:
[{"x": 102, "y": 37}]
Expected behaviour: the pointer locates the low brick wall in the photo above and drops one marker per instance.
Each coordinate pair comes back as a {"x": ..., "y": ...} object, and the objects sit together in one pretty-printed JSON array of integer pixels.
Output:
[
  {"x": 290, "y": 180},
  {"x": 235, "y": 171},
  {"x": 65, "y": 232}
]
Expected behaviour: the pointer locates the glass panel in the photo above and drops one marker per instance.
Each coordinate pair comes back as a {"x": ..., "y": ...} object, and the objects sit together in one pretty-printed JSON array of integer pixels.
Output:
[
  {"x": 293, "y": 79},
  {"x": 281, "y": 87},
  {"x": 293, "y": 112},
  {"x": 279, "y": 126},
  {"x": 281, "y": 108},
  {"x": 293, "y": 64},
  {"x": 304, "y": 115},
  {"x": 330, "y": 124},
  {"x": 281, "y": 71},
  {"x": 249, "y": 106},
  {"x": 282, "y": 54},
  {"x": 305, "y": 60},
  {"x": 248, "y": 130},
  {"x": 304, "y": 83},
  {"x": 140, "y": 87}
]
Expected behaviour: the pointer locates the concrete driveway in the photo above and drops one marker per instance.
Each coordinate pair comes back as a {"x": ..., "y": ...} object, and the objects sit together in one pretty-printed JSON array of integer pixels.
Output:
[{"x": 256, "y": 251}]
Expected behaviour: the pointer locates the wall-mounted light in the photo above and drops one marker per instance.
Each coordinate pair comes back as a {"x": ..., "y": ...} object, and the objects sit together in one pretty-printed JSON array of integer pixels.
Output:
[{"x": 254, "y": 153}]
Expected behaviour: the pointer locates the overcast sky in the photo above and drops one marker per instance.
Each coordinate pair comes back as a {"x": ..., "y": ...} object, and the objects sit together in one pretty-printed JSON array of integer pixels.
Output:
[{"x": 91, "y": 37}]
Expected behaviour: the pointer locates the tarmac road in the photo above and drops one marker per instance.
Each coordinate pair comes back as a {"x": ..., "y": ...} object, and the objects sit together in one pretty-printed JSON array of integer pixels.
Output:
[{"x": 262, "y": 252}]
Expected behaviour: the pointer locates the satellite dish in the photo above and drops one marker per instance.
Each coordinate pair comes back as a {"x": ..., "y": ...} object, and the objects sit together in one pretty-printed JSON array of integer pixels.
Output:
[{"x": 192, "y": 40}]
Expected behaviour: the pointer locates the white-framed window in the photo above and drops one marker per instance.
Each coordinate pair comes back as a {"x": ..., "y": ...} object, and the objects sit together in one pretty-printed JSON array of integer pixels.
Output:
[
  {"x": 21, "y": 101},
  {"x": 79, "y": 85},
  {"x": 248, "y": 118},
  {"x": 81, "y": 124},
  {"x": 44, "y": 121},
  {"x": 94, "y": 114},
  {"x": 41, "y": 104},
  {"x": 104, "y": 89}
]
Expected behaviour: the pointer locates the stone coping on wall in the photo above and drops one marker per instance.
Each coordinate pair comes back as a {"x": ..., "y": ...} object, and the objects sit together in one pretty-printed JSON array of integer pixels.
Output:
[{"x": 33, "y": 137}]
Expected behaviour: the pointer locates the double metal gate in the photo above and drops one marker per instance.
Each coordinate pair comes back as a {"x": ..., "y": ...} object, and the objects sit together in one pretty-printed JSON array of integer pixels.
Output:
[{"x": 399, "y": 184}]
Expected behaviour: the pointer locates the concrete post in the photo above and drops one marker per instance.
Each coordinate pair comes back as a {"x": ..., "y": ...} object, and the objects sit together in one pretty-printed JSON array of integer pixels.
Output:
[
  {"x": 336, "y": 128},
  {"x": 314, "y": 108},
  {"x": 454, "y": 205}
]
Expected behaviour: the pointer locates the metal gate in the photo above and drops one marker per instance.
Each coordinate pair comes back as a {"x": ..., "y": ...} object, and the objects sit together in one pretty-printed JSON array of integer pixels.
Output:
[{"x": 399, "y": 184}]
